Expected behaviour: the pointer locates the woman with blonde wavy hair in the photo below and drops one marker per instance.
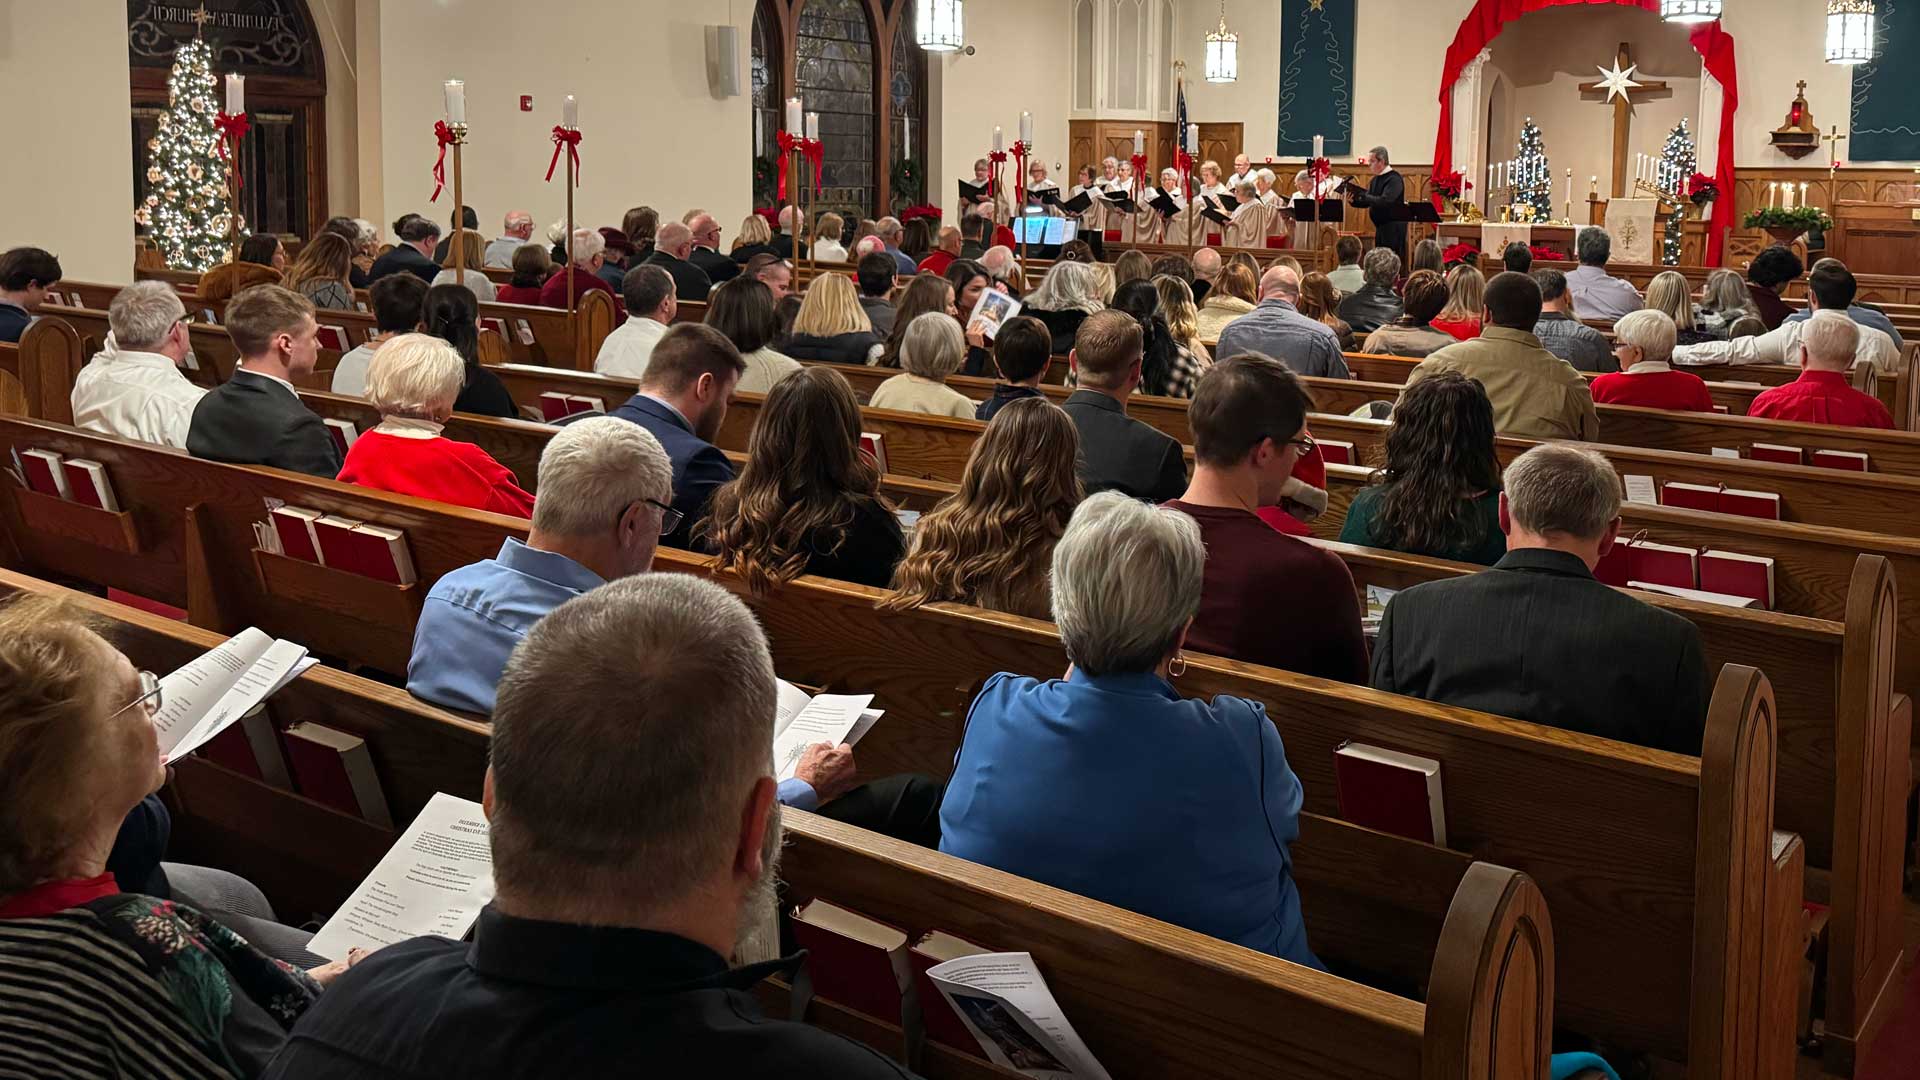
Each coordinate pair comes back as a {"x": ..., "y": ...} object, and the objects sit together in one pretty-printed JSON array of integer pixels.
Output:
[
  {"x": 807, "y": 501},
  {"x": 1466, "y": 302},
  {"x": 990, "y": 544},
  {"x": 831, "y": 326},
  {"x": 1182, "y": 315}
]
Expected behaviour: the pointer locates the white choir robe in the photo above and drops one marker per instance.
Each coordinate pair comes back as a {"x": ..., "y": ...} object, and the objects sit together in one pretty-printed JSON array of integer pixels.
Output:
[
  {"x": 1213, "y": 189},
  {"x": 1237, "y": 179},
  {"x": 1252, "y": 222}
]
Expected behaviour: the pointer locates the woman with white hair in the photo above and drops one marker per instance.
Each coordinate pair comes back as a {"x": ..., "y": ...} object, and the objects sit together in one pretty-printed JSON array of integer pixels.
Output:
[
  {"x": 413, "y": 380},
  {"x": 1643, "y": 343},
  {"x": 931, "y": 350},
  {"x": 1068, "y": 293},
  {"x": 1200, "y": 838}
]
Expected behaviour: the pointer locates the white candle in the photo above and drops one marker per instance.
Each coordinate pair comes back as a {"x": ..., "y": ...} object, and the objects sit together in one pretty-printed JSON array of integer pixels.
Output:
[
  {"x": 759, "y": 131},
  {"x": 1139, "y": 142},
  {"x": 1569, "y": 190},
  {"x": 906, "y": 136},
  {"x": 456, "y": 101},
  {"x": 1773, "y": 194},
  {"x": 1026, "y": 128},
  {"x": 1489, "y": 176},
  {"x": 570, "y": 118},
  {"x": 1803, "y": 193},
  {"x": 236, "y": 94},
  {"x": 999, "y": 140},
  {"x": 813, "y": 126},
  {"x": 1193, "y": 138},
  {"x": 795, "y": 125},
  {"x": 1319, "y": 146}
]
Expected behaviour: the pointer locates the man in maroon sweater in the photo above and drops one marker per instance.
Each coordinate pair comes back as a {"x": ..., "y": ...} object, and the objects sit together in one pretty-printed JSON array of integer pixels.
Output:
[{"x": 1268, "y": 598}]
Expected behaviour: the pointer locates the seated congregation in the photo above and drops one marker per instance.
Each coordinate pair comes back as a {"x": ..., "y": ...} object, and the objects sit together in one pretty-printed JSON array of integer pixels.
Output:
[{"x": 636, "y": 854}]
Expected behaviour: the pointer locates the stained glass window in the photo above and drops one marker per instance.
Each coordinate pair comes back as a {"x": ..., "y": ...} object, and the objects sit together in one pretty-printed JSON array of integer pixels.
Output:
[
  {"x": 766, "y": 82},
  {"x": 833, "y": 71},
  {"x": 907, "y": 94}
]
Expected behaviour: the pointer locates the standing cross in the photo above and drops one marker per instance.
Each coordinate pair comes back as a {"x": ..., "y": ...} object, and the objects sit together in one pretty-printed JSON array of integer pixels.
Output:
[
  {"x": 1620, "y": 88},
  {"x": 1833, "y": 157}
]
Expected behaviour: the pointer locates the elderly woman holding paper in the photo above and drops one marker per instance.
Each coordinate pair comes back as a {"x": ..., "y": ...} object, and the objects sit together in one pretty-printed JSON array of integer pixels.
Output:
[
  {"x": 80, "y": 752},
  {"x": 1107, "y": 782}
]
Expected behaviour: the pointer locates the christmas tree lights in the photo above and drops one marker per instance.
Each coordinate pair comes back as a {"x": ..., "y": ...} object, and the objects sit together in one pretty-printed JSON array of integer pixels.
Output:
[
  {"x": 1674, "y": 171},
  {"x": 186, "y": 208},
  {"x": 1532, "y": 179}
]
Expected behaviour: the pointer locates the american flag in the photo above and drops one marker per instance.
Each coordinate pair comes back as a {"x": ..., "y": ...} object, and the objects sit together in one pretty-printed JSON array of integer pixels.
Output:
[{"x": 1180, "y": 127}]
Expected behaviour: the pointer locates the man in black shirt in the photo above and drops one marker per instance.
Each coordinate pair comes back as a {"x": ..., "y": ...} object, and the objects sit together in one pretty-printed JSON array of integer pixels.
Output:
[
  {"x": 632, "y": 850},
  {"x": 1386, "y": 194}
]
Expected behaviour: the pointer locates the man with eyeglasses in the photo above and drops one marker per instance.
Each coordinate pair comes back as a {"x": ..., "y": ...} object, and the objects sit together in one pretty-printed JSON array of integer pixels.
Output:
[
  {"x": 706, "y": 250},
  {"x": 604, "y": 501},
  {"x": 1266, "y": 598},
  {"x": 133, "y": 388}
]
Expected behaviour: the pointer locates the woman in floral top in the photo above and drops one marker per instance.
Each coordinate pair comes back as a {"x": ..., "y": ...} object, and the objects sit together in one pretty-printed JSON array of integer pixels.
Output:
[{"x": 95, "y": 981}]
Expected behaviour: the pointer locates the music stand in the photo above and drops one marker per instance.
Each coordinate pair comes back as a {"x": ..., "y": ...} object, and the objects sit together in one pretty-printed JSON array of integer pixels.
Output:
[{"x": 1326, "y": 211}]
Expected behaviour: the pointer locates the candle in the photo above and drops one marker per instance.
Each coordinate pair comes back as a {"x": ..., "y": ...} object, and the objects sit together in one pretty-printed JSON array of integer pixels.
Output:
[
  {"x": 759, "y": 129},
  {"x": 1139, "y": 142},
  {"x": 1569, "y": 190},
  {"x": 1193, "y": 138},
  {"x": 236, "y": 94},
  {"x": 1026, "y": 128},
  {"x": 813, "y": 126},
  {"x": 1489, "y": 176},
  {"x": 795, "y": 126},
  {"x": 998, "y": 141},
  {"x": 570, "y": 118},
  {"x": 1803, "y": 193},
  {"x": 1319, "y": 146},
  {"x": 456, "y": 101},
  {"x": 906, "y": 136},
  {"x": 1773, "y": 194}
]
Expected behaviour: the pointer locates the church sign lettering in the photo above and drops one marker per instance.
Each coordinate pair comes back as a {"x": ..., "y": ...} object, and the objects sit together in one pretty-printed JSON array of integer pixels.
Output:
[{"x": 252, "y": 37}]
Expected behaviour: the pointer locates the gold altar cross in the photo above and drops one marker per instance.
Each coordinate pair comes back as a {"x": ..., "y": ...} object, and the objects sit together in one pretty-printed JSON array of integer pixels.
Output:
[
  {"x": 1622, "y": 110},
  {"x": 1834, "y": 140}
]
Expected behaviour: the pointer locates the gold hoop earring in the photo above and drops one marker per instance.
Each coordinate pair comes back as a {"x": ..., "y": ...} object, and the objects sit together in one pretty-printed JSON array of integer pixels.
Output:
[{"x": 1178, "y": 667}]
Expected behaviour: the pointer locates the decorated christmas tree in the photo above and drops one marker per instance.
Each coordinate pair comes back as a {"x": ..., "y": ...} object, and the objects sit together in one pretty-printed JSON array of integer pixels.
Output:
[
  {"x": 1675, "y": 170},
  {"x": 1532, "y": 179},
  {"x": 185, "y": 211}
]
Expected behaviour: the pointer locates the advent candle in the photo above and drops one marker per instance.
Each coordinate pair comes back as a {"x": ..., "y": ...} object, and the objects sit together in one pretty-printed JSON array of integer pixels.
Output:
[
  {"x": 236, "y": 94},
  {"x": 998, "y": 141},
  {"x": 1319, "y": 146},
  {"x": 795, "y": 126},
  {"x": 1193, "y": 138},
  {"x": 1026, "y": 128},
  {"x": 456, "y": 101},
  {"x": 570, "y": 118},
  {"x": 813, "y": 126},
  {"x": 1803, "y": 193},
  {"x": 906, "y": 136},
  {"x": 759, "y": 130},
  {"x": 1773, "y": 194},
  {"x": 1139, "y": 142}
]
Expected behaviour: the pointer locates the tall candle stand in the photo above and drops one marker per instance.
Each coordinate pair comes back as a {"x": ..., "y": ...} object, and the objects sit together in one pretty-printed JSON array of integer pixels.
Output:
[{"x": 458, "y": 245}]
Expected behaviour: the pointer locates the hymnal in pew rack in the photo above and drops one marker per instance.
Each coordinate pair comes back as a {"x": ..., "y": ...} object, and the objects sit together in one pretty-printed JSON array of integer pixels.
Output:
[
  {"x": 345, "y": 544},
  {"x": 74, "y": 499}
]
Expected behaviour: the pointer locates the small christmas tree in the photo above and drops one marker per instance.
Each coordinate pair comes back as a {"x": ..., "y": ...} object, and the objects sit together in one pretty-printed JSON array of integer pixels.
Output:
[
  {"x": 1532, "y": 179},
  {"x": 186, "y": 207},
  {"x": 1675, "y": 170}
]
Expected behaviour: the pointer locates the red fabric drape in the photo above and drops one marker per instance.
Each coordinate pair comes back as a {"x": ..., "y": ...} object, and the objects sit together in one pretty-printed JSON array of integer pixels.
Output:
[{"x": 1714, "y": 45}]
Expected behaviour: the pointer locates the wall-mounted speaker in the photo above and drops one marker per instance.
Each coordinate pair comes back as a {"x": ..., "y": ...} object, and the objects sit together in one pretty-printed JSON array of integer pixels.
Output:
[{"x": 723, "y": 61}]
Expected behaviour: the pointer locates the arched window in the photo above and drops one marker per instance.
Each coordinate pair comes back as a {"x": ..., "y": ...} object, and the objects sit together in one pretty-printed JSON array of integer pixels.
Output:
[
  {"x": 1126, "y": 88},
  {"x": 767, "y": 113},
  {"x": 1084, "y": 52},
  {"x": 834, "y": 76}
]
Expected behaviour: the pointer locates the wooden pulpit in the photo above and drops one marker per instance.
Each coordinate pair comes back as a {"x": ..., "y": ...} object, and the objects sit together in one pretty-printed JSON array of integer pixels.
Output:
[{"x": 1876, "y": 238}]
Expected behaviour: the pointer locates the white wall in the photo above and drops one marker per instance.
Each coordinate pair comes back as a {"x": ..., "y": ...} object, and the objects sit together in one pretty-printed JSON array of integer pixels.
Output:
[
  {"x": 68, "y": 185},
  {"x": 654, "y": 135},
  {"x": 1777, "y": 43},
  {"x": 335, "y": 22},
  {"x": 1018, "y": 65}
]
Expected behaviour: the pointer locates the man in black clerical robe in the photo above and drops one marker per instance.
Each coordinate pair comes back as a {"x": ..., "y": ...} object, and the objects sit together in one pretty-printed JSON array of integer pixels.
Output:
[{"x": 1387, "y": 189}]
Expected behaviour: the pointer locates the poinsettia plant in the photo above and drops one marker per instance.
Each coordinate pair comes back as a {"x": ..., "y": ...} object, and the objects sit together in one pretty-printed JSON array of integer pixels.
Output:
[
  {"x": 1702, "y": 190},
  {"x": 1547, "y": 254},
  {"x": 1451, "y": 185},
  {"x": 1460, "y": 253},
  {"x": 924, "y": 210}
]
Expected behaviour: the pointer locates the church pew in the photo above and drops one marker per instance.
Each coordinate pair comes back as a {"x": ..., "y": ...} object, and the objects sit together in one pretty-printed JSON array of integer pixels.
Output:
[
  {"x": 943, "y": 652},
  {"x": 1139, "y": 990}
]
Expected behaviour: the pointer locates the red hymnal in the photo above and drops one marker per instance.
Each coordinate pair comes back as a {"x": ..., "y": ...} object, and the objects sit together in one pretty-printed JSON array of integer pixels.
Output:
[
  {"x": 1615, "y": 567},
  {"x": 251, "y": 748},
  {"x": 558, "y": 406},
  {"x": 1840, "y": 459},
  {"x": 581, "y": 403},
  {"x": 87, "y": 483},
  {"x": 337, "y": 546},
  {"x": 874, "y": 447},
  {"x": 1390, "y": 792},
  {"x": 1784, "y": 455},
  {"x": 1738, "y": 575},
  {"x": 44, "y": 473},
  {"x": 498, "y": 326},
  {"x": 334, "y": 768},
  {"x": 334, "y": 338},
  {"x": 1662, "y": 564},
  {"x": 942, "y": 1023},
  {"x": 855, "y": 961},
  {"x": 295, "y": 527},
  {"x": 343, "y": 432},
  {"x": 1720, "y": 500},
  {"x": 383, "y": 554},
  {"x": 1336, "y": 453}
]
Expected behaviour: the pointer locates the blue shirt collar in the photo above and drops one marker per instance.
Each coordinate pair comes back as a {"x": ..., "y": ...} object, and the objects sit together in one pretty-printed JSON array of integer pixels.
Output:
[
  {"x": 548, "y": 566},
  {"x": 1132, "y": 683}
]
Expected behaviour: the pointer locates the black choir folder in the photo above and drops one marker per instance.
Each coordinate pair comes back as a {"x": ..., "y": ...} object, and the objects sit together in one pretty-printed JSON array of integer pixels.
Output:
[
  {"x": 1079, "y": 204},
  {"x": 972, "y": 192},
  {"x": 1165, "y": 203},
  {"x": 1390, "y": 792},
  {"x": 1120, "y": 200}
]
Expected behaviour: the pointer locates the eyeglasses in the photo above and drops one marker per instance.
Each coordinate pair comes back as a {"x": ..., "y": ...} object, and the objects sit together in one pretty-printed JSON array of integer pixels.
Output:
[
  {"x": 1304, "y": 444},
  {"x": 150, "y": 696},
  {"x": 670, "y": 518}
]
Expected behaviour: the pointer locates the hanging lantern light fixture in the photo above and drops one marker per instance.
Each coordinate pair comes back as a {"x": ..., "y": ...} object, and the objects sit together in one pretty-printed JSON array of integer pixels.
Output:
[
  {"x": 1689, "y": 11},
  {"x": 939, "y": 25},
  {"x": 1850, "y": 31},
  {"x": 1223, "y": 51}
]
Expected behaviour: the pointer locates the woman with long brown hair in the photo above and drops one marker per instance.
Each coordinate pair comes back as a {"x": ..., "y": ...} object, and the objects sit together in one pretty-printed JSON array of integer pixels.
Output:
[
  {"x": 1439, "y": 494},
  {"x": 640, "y": 224},
  {"x": 1318, "y": 301},
  {"x": 807, "y": 501},
  {"x": 926, "y": 292},
  {"x": 324, "y": 272},
  {"x": 990, "y": 544}
]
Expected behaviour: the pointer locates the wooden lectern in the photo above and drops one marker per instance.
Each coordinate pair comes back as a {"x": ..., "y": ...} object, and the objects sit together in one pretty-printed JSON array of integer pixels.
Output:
[{"x": 1875, "y": 238}]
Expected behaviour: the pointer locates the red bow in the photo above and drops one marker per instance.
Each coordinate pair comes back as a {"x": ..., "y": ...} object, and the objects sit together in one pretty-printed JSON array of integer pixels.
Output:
[
  {"x": 1183, "y": 164},
  {"x": 230, "y": 126},
  {"x": 1139, "y": 169},
  {"x": 997, "y": 158},
  {"x": 569, "y": 139},
  {"x": 1020, "y": 176},
  {"x": 815, "y": 151},
  {"x": 788, "y": 144},
  {"x": 1319, "y": 169},
  {"x": 445, "y": 136}
]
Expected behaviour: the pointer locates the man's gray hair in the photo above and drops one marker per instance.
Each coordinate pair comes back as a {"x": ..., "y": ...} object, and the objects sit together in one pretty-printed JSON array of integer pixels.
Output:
[
  {"x": 1653, "y": 332},
  {"x": 517, "y": 218},
  {"x": 1379, "y": 154},
  {"x": 671, "y": 236},
  {"x": 1594, "y": 246},
  {"x": 1831, "y": 340},
  {"x": 629, "y": 730},
  {"x": 591, "y": 471},
  {"x": 587, "y": 243},
  {"x": 1562, "y": 489},
  {"x": 1110, "y": 160},
  {"x": 1381, "y": 267},
  {"x": 889, "y": 229},
  {"x": 142, "y": 315},
  {"x": 998, "y": 262},
  {"x": 1126, "y": 580}
]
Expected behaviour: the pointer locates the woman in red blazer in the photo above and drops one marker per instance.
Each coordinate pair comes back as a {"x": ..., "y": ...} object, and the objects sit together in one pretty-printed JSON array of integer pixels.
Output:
[
  {"x": 413, "y": 380},
  {"x": 1643, "y": 342}
]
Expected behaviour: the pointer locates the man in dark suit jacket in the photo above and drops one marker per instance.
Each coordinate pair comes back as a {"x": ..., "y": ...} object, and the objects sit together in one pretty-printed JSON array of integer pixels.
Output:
[
  {"x": 1386, "y": 189},
  {"x": 1537, "y": 637},
  {"x": 682, "y": 401},
  {"x": 718, "y": 266},
  {"x": 1117, "y": 452},
  {"x": 255, "y": 417},
  {"x": 412, "y": 252},
  {"x": 783, "y": 242},
  {"x": 670, "y": 251}
]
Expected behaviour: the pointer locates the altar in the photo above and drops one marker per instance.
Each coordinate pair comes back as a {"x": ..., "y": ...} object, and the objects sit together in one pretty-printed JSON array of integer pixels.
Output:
[{"x": 1492, "y": 237}]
